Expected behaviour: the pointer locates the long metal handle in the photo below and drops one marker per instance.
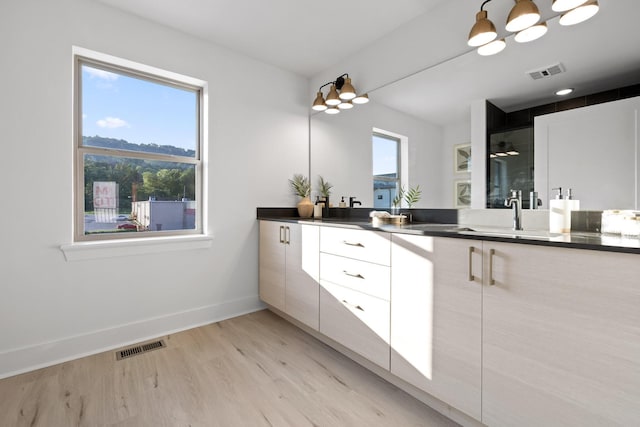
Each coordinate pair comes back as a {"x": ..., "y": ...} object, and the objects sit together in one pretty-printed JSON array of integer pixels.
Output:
[
  {"x": 287, "y": 235},
  {"x": 360, "y": 245},
  {"x": 357, "y": 275},
  {"x": 282, "y": 234},
  {"x": 471, "y": 276},
  {"x": 357, "y": 307},
  {"x": 491, "y": 254}
]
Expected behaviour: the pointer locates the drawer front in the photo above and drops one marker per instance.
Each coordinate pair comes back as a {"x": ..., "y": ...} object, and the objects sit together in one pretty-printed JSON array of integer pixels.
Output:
[
  {"x": 365, "y": 277},
  {"x": 372, "y": 246},
  {"x": 359, "y": 322}
]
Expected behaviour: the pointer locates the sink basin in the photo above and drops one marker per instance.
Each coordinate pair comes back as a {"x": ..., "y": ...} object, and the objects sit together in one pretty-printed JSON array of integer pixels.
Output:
[{"x": 506, "y": 232}]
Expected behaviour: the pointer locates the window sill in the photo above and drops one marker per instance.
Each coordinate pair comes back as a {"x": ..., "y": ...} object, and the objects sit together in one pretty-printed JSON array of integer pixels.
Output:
[{"x": 126, "y": 247}]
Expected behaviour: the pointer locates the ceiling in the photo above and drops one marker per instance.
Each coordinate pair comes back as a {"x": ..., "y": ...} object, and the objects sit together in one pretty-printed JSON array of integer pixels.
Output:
[
  {"x": 298, "y": 35},
  {"x": 307, "y": 37},
  {"x": 598, "y": 55}
]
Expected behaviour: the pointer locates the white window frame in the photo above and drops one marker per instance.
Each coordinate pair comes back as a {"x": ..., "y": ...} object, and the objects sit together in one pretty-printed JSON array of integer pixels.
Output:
[{"x": 125, "y": 67}]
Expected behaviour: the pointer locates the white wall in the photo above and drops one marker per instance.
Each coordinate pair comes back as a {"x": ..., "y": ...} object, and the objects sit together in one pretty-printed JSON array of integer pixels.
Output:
[
  {"x": 341, "y": 151},
  {"x": 258, "y": 132}
]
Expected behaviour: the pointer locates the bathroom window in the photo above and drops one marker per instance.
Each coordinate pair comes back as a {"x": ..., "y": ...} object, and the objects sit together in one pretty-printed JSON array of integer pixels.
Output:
[
  {"x": 386, "y": 169},
  {"x": 138, "y": 151}
]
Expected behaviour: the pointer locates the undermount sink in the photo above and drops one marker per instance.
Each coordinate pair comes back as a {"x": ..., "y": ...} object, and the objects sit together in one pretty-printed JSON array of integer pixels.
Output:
[{"x": 506, "y": 232}]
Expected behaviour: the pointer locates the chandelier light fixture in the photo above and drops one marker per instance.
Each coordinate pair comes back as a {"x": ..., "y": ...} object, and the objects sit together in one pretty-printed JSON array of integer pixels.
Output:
[
  {"x": 524, "y": 21},
  {"x": 341, "y": 96}
]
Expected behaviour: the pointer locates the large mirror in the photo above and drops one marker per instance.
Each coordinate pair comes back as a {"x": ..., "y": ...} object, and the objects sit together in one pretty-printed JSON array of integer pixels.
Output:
[{"x": 435, "y": 116}]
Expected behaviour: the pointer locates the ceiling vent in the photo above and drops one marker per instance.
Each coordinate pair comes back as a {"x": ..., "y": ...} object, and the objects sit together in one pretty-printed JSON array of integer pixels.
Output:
[{"x": 549, "y": 71}]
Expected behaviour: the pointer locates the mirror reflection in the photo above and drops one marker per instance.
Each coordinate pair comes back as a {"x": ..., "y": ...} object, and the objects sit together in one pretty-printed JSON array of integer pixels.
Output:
[{"x": 433, "y": 113}]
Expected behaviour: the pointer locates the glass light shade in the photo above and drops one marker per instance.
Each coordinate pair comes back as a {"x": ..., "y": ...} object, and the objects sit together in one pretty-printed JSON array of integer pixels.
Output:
[
  {"x": 580, "y": 14},
  {"x": 492, "y": 48},
  {"x": 564, "y": 5},
  {"x": 348, "y": 91},
  {"x": 523, "y": 15},
  {"x": 332, "y": 97},
  {"x": 318, "y": 103},
  {"x": 512, "y": 151},
  {"x": 345, "y": 105},
  {"x": 532, "y": 33},
  {"x": 361, "y": 99},
  {"x": 332, "y": 110},
  {"x": 483, "y": 31},
  {"x": 563, "y": 92}
]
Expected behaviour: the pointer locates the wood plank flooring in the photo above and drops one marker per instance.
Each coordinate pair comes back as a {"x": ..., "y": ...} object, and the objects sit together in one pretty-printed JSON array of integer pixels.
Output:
[{"x": 253, "y": 370}]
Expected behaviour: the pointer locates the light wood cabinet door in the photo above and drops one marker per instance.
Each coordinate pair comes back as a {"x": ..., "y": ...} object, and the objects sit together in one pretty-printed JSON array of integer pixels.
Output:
[
  {"x": 436, "y": 317},
  {"x": 358, "y": 321},
  {"x": 302, "y": 293},
  {"x": 272, "y": 261},
  {"x": 561, "y": 337}
]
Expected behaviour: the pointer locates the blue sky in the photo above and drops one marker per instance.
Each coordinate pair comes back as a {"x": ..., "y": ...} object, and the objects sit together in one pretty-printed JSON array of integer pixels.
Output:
[
  {"x": 136, "y": 110},
  {"x": 385, "y": 157}
]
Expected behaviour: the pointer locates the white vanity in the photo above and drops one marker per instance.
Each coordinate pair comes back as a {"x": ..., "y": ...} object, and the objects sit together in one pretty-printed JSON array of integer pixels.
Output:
[{"x": 494, "y": 331}]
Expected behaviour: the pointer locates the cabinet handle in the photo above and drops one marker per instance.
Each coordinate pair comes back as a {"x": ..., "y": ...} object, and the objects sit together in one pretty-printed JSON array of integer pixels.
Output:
[
  {"x": 471, "y": 276},
  {"x": 281, "y": 234},
  {"x": 360, "y": 245},
  {"x": 357, "y": 307},
  {"x": 288, "y": 235},
  {"x": 492, "y": 252},
  {"x": 357, "y": 275}
]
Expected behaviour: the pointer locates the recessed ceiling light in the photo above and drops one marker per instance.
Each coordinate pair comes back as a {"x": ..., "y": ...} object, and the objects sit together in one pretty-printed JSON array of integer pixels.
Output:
[{"x": 563, "y": 92}]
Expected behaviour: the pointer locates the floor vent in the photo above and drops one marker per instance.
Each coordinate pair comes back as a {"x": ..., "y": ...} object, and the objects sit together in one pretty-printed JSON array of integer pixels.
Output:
[
  {"x": 549, "y": 71},
  {"x": 139, "y": 349}
]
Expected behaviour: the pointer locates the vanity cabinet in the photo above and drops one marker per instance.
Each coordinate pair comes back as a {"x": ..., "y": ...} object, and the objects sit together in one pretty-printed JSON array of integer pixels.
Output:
[
  {"x": 561, "y": 337},
  {"x": 508, "y": 334},
  {"x": 289, "y": 269},
  {"x": 436, "y": 306},
  {"x": 355, "y": 281}
]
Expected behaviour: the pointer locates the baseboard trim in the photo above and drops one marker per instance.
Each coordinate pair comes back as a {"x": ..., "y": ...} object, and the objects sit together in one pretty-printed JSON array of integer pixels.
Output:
[{"x": 26, "y": 359}]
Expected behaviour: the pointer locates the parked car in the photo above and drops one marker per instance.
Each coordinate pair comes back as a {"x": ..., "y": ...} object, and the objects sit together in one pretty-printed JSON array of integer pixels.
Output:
[{"x": 127, "y": 226}]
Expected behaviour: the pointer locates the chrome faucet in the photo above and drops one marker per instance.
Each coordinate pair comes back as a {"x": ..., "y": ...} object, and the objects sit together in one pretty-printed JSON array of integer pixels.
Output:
[{"x": 515, "y": 201}]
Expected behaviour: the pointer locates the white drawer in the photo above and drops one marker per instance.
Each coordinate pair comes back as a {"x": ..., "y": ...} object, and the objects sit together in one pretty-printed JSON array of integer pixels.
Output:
[
  {"x": 359, "y": 322},
  {"x": 362, "y": 276},
  {"x": 365, "y": 245}
]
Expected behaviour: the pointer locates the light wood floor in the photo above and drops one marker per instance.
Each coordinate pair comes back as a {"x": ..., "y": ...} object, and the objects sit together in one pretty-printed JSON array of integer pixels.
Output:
[{"x": 254, "y": 370}]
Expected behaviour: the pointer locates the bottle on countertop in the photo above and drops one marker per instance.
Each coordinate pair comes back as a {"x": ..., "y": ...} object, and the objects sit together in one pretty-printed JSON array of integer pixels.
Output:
[
  {"x": 557, "y": 208},
  {"x": 317, "y": 208},
  {"x": 560, "y": 211},
  {"x": 342, "y": 203}
]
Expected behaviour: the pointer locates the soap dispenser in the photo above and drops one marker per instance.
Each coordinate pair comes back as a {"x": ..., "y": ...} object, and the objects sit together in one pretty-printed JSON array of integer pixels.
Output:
[
  {"x": 342, "y": 203},
  {"x": 557, "y": 209}
]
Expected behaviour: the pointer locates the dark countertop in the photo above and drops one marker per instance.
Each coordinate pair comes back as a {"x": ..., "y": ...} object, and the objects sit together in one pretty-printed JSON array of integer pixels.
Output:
[{"x": 575, "y": 240}]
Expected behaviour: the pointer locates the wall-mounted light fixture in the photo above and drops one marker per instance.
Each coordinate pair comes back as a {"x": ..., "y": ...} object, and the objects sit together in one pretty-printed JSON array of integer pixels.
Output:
[
  {"x": 524, "y": 20},
  {"x": 341, "y": 96}
]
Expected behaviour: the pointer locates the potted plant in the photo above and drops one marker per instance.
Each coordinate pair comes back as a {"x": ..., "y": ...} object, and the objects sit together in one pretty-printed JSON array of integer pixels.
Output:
[
  {"x": 302, "y": 187},
  {"x": 396, "y": 201},
  {"x": 412, "y": 196},
  {"x": 324, "y": 189}
]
